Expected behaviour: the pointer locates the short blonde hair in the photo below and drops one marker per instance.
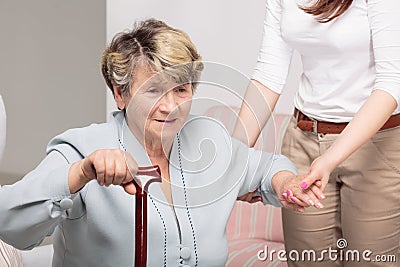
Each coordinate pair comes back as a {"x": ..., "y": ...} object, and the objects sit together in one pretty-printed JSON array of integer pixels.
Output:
[{"x": 157, "y": 45}]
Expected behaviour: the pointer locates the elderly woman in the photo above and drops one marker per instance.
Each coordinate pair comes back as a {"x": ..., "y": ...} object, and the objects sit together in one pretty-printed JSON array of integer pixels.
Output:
[{"x": 152, "y": 72}]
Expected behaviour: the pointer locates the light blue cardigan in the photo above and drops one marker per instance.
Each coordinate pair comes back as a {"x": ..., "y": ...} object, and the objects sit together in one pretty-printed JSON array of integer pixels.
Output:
[{"x": 95, "y": 227}]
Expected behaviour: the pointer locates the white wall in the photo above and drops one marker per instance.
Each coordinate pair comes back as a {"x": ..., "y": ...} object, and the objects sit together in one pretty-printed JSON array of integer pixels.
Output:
[
  {"x": 226, "y": 32},
  {"x": 50, "y": 74}
]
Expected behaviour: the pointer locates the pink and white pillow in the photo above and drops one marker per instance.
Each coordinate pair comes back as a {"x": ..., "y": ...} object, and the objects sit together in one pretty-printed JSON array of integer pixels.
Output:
[
  {"x": 254, "y": 227},
  {"x": 9, "y": 256}
]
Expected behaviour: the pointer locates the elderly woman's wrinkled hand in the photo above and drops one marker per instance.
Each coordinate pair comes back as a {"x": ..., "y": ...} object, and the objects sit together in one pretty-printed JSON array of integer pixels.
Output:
[
  {"x": 250, "y": 197},
  {"x": 292, "y": 196},
  {"x": 107, "y": 166}
]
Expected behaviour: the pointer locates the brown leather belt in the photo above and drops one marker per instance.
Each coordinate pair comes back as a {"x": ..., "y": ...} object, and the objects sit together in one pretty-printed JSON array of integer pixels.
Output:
[{"x": 308, "y": 124}]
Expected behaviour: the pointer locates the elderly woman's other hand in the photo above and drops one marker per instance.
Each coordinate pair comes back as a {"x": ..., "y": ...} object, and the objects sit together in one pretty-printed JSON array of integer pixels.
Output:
[
  {"x": 107, "y": 166},
  {"x": 250, "y": 197},
  {"x": 292, "y": 196}
]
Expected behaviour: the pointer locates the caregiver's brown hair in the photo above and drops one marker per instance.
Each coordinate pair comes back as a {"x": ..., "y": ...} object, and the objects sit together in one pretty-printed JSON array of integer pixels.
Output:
[{"x": 327, "y": 10}]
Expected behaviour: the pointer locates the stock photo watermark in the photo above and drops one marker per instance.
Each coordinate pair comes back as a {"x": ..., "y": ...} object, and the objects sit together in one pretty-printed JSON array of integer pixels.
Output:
[{"x": 340, "y": 253}]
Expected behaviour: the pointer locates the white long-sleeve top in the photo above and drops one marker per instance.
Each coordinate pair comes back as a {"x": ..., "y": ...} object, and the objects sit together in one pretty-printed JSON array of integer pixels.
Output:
[
  {"x": 95, "y": 227},
  {"x": 343, "y": 60}
]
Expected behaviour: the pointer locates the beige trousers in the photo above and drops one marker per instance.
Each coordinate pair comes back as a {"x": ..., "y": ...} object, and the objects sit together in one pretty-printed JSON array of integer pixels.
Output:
[{"x": 361, "y": 209}]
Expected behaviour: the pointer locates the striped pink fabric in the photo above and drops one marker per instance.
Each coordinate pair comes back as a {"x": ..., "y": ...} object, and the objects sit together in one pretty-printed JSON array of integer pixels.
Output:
[
  {"x": 255, "y": 221},
  {"x": 9, "y": 256},
  {"x": 251, "y": 227},
  {"x": 245, "y": 253}
]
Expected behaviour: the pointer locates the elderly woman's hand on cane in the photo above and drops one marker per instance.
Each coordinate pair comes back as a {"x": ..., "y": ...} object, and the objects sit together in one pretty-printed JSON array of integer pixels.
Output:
[{"x": 107, "y": 167}]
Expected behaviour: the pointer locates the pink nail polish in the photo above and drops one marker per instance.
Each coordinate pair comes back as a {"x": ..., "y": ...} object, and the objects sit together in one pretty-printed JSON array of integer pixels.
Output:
[
  {"x": 303, "y": 185},
  {"x": 288, "y": 192},
  {"x": 284, "y": 196},
  {"x": 292, "y": 199}
]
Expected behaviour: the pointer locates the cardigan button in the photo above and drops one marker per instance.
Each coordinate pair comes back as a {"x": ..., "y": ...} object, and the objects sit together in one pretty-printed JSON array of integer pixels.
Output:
[
  {"x": 66, "y": 203},
  {"x": 185, "y": 253}
]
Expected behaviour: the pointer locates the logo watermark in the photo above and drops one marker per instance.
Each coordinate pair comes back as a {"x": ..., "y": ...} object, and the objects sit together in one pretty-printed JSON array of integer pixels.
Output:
[{"x": 340, "y": 253}]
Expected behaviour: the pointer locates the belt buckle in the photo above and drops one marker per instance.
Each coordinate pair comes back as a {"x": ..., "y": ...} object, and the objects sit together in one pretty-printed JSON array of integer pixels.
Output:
[{"x": 315, "y": 126}]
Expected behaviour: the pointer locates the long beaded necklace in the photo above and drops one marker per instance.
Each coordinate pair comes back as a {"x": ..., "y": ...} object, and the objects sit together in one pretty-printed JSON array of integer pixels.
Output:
[
  {"x": 186, "y": 201},
  {"x": 121, "y": 142}
]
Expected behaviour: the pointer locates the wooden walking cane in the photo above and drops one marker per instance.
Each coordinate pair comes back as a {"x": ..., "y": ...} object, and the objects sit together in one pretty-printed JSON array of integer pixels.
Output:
[{"x": 143, "y": 178}]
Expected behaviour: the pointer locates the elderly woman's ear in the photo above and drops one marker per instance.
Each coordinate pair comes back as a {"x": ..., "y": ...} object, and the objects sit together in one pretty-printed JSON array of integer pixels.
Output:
[{"x": 118, "y": 96}]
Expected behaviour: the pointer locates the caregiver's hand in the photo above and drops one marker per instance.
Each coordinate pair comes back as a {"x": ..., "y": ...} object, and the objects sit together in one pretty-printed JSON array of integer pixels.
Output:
[
  {"x": 291, "y": 195},
  {"x": 320, "y": 170},
  {"x": 107, "y": 166}
]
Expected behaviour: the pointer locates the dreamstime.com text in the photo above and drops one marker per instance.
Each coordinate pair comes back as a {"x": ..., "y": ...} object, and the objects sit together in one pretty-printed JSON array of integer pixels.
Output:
[{"x": 331, "y": 254}]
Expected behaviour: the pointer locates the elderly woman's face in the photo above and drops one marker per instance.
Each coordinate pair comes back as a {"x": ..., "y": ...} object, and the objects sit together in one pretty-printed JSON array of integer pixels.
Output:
[{"x": 157, "y": 108}]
